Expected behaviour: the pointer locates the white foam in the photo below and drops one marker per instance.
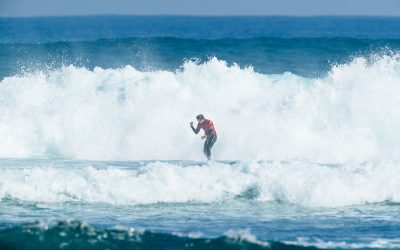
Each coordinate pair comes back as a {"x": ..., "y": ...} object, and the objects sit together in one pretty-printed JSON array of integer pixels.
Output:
[
  {"x": 290, "y": 182},
  {"x": 245, "y": 235},
  {"x": 380, "y": 243},
  {"x": 350, "y": 115}
]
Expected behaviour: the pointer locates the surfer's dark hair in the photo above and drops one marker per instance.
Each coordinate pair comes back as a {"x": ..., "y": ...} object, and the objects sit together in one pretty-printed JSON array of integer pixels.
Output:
[{"x": 200, "y": 117}]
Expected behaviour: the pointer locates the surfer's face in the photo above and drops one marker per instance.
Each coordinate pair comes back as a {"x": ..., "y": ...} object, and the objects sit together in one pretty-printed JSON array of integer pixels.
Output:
[{"x": 200, "y": 121}]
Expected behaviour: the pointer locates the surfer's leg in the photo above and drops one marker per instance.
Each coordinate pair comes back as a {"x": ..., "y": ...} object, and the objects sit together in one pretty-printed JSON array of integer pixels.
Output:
[
  {"x": 213, "y": 140},
  {"x": 207, "y": 148},
  {"x": 210, "y": 145}
]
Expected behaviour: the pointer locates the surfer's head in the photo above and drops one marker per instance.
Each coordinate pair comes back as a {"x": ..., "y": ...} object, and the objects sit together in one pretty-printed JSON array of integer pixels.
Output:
[{"x": 200, "y": 118}]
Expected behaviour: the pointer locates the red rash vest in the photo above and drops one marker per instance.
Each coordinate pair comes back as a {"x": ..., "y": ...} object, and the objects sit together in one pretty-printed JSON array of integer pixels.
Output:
[{"x": 207, "y": 126}]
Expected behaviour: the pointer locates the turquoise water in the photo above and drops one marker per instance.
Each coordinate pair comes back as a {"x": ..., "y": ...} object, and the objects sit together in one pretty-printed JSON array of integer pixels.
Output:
[{"x": 97, "y": 152}]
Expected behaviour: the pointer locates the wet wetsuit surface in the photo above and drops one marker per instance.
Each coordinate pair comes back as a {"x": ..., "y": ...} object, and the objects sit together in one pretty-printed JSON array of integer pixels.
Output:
[
  {"x": 208, "y": 127},
  {"x": 208, "y": 145}
]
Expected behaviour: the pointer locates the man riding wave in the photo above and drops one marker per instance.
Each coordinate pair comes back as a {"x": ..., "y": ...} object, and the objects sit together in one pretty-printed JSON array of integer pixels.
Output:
[{"x": 210, "y": 133}]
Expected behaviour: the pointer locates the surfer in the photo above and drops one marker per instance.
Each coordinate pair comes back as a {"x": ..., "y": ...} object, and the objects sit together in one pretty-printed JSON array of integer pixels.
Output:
[{"x": 210, "y": 133}]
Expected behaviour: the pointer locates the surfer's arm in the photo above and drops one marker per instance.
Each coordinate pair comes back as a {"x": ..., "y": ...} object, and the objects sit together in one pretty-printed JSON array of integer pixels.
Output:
[{"x": 195, "y": 130}]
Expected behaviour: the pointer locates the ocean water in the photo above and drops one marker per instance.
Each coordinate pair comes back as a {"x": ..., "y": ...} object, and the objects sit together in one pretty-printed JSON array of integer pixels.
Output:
[{"x": 96, "y": 151}]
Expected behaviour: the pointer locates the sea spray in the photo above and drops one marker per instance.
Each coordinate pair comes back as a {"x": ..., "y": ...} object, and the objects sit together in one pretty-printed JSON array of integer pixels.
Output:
[{"x": 126, "y": 114}]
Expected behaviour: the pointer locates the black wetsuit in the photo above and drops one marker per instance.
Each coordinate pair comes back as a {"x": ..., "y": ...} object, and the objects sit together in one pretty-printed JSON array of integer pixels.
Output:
[{"x": 208, "y": 145}]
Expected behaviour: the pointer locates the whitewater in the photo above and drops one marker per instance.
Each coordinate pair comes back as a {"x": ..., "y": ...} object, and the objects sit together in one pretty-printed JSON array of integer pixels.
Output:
[
  {"x": 319, "y": 142},
  {"x": 349, "y": 115},
  {"x": 302, "y": 183}
]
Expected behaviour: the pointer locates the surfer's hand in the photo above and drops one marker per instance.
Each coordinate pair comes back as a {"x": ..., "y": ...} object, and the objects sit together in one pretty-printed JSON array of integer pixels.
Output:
[
  {"x": 191, "y": 123},
  {"x": 203, "y": 137}
]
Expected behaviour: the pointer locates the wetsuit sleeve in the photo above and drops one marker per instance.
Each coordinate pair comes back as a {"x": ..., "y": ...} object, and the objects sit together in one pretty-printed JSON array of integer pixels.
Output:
[{"x": 195, "y": 130}]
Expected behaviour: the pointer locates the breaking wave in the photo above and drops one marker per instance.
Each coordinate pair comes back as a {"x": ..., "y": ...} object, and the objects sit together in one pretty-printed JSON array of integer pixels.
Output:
[{"x": 351, "y": 114}]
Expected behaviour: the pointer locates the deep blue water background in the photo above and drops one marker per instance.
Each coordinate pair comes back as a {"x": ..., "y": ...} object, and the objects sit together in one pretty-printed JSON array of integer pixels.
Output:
[{"x": 306, "y": 46}]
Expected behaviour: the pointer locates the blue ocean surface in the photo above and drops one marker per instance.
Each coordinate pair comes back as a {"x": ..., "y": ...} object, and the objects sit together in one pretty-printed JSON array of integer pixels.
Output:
[{"x": 96, "y": 151}]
